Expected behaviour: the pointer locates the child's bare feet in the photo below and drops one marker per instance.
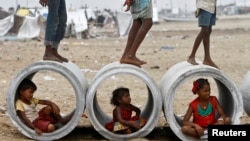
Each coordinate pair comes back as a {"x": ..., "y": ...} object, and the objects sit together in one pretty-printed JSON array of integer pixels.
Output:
[
  {"x": 192, "y": 61},
  {"x": 84, "y": 115},
  {"x": 210, "y": 63},
  {"x": 132, "y": 60}
]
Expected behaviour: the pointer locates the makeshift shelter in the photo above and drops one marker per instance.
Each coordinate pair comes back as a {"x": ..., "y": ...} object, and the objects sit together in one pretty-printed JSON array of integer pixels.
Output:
[
  {"x": 76, "y": 23},
  {"x": 23, "y": 12}
]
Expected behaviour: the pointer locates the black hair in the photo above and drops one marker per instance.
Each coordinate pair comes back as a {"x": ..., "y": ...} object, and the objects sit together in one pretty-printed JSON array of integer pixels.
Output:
[
  {"x": 199, "y": 83},
  {"x": 26, "y": 84},
  {"x": 117, "y": 95}
]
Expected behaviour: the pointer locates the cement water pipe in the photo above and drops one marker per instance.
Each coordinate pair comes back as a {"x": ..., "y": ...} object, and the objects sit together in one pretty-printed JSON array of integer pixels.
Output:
[
  {"x": 229, "y": 95},
  {"x": 245, "y": 91},
  {"x": 75, "y": 77},
  {"x": 151, "y": 111}
]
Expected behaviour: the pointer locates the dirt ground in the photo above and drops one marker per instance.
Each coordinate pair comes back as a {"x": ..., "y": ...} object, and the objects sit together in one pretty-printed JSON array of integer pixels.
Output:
[{"x": 167, "y": 44}]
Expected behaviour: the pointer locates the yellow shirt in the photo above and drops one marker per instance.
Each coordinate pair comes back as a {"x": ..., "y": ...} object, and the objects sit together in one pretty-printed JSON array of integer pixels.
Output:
[
  {"x": 208, "y": 5},
  {"x": 30, "y": 110}
]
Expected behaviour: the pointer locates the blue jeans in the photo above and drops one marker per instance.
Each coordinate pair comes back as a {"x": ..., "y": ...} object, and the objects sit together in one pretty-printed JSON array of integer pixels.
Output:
[{"x": 56, "y": 23}]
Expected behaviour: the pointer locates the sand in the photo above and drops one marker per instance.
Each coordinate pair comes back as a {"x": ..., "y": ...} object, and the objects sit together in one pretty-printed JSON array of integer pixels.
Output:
[{"x": 167, "y": 44}]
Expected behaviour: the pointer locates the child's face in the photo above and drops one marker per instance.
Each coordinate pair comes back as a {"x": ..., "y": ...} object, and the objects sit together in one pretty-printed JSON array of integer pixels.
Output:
[
  {"x": 27, "y": 94},
  {"x": 204, "y": 92},
  {"x": 126, "y": 99}
]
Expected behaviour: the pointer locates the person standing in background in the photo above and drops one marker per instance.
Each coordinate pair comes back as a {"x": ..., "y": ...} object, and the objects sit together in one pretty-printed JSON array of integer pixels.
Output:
[
  {"x": 206, "y": 13},
  {"x": 55, "y": 28},
  {"x": 142, "y": 13}
]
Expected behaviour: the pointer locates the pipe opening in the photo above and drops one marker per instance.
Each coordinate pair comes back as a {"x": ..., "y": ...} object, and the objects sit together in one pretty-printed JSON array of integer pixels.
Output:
[
  {"x": 184, "y": 96},
  {"x": 143, "y": 91},
  {"x": 49, "y": 77}
]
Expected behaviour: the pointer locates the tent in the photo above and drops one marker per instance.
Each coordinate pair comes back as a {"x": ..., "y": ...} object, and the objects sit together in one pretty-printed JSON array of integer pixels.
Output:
[
  {"x": 76, "y": 23},
  {"x": 23, "y": 12}
]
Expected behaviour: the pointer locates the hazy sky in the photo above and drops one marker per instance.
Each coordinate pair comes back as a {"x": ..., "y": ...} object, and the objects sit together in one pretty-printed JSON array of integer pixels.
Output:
[{"x": 112, "y": 4}]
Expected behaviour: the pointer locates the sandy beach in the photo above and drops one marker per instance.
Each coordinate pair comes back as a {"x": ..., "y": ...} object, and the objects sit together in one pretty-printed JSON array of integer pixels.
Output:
[{"x": 167, "y": 44}]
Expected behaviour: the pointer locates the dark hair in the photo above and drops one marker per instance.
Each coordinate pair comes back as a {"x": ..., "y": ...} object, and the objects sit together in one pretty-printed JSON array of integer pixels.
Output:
[
  {"x": 26, "y": 84},
  {"x": 117, "y": 95},
  {"x": 198, "y": 84}
]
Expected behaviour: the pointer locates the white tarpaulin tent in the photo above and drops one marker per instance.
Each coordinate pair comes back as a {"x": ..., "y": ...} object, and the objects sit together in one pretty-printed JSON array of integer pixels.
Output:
[
  {"x": 30, "y": 28},
  {"x": 6, "y": 24},
  {"x": 78, "y": 18}
]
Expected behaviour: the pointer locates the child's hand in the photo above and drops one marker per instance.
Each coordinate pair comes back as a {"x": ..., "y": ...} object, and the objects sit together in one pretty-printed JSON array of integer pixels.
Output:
[
  {"x": 44, "y": 3},
  {"x": 199, "y": 130},
  {"x": 38, "y": 131},
  {"x": 197, "y": 12},
  {"x": 128, "y": 3},
  {"x": 55, "y": 109},
  {"x": 135, "y": 125}
]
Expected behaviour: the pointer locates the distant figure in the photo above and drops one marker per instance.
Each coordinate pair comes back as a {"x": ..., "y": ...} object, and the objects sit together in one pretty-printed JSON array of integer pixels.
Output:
[
  {"x": 26, "y": 107},
  {"x": 123, "y": 121},
  {"x": 206, "y": 13},
  {"x": 55, "y": 28},
  {"x": 203, "y": 109},
  {"x": 142, "y": 13}
]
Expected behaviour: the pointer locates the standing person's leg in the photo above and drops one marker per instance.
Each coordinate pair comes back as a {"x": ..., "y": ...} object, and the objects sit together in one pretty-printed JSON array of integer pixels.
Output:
[
  {"x": 206, "y": 42},
  {"x": 131, "y": 38},
  {"x": 50, "y": 32},
  {"x": 145, "y": 27},
  {"x": 197, "y": 42},
  {"x": 62, "y": 15},
  {"x": 145, "y": 19}
]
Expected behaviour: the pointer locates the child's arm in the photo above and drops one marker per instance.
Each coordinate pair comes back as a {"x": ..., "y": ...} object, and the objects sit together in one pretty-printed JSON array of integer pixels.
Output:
[
  {"x": 23, "y": 116},
  {"x": 136, "y": 109},
  {"x": 55, "y": 108},
  {"x": 219, "y": 109},
  {"x": 187, "y": 116},
  {"x": 186, "y": 121}
]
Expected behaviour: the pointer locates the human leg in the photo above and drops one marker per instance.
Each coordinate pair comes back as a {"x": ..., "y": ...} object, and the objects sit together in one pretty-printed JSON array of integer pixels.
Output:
[
  {"x": 206, "y": 42},
  {"x": 62, "y": 15},
  {"x": 51, "y": 32},
  {"x": 190, "y": 131},
  {"x": 199, "y": 38},
  {"x": 131, "y": 53},
  {"x": 131, "y": 38}
]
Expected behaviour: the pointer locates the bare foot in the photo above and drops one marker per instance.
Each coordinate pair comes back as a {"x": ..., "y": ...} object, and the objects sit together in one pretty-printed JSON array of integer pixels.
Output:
[
  {"x": 142, "y": 62},
  {"x": 210, "y": 63},
  {"x": 192, "y": 61},
  {"x": 132, "y": 60},
  {"x": 84, "y": 115},
  {"x": 51, "y": 57}
]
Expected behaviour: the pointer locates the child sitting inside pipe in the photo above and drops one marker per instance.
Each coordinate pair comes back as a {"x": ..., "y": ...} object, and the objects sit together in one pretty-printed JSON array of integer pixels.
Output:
[
  {"x": 203, "y": 108},
  {"x": 26, "y": 107},
  {"x": 123, "y": 122}
]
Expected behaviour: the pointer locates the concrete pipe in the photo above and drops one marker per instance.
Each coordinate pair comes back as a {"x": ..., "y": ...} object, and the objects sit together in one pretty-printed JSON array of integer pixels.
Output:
[
  {"x": 245, "y": 91},
  {"x": 151, "y": 111},
  {"x": 76, "y": 78},
  {"x": 228, "y": 94}
]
